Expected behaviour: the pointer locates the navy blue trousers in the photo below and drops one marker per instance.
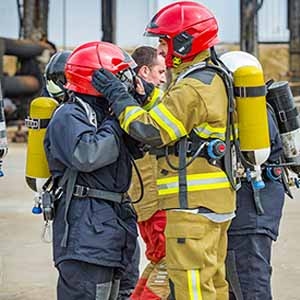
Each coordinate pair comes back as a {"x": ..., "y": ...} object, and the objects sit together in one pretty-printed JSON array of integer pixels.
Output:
[{"x": 248, "y": 267}]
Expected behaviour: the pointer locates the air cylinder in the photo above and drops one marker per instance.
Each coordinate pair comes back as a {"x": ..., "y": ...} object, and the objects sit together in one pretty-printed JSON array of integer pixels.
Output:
[
  {"x": 37, "y": 170},
  {"x": 250, "y": 93},
  {"x": 281, "y": 99}
]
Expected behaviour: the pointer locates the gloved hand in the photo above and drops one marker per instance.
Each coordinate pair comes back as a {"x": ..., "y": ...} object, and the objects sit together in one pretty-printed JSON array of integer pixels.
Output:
[
  {"x": 107, "y": 84},
  {"x": 113, "y": 90},
  {"x": 143, "y": 90}
]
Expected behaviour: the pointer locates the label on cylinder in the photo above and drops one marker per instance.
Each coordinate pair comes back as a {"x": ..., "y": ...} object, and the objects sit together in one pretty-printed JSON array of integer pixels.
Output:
[{"x": 291, "y": 143}]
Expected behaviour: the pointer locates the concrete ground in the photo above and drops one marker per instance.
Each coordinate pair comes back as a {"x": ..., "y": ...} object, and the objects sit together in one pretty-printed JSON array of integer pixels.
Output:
[{"x": 26, "y": 268}]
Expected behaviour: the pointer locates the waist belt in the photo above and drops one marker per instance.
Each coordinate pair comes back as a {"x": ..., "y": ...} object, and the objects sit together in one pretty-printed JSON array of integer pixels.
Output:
[
  {"x": 84, "y": 192},
  {"x": 161, "y": 152},
  {"x": 72, "y": 189},
  {"x": 190, "y": 150}
]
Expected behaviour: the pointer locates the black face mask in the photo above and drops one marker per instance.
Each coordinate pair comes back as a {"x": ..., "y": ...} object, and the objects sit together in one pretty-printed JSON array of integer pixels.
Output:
[{"x": 148, "y": 89}]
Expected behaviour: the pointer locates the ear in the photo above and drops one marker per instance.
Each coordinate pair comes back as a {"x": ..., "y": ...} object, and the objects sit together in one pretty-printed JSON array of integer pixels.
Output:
[{"x": 144, "y": 72}]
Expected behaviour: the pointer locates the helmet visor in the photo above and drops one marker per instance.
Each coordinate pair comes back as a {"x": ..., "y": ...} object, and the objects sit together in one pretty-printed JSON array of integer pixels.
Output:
[
  {"x": 157, "y": 35},
  {"x": 53, "y": 89}
]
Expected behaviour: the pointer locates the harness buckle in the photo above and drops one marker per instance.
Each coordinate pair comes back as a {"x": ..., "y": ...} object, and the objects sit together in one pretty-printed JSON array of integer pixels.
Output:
[
  {"x": 189, "y": 145},
  {"x": 81, "y": 191},
  {"x": 125, "y": 198}
]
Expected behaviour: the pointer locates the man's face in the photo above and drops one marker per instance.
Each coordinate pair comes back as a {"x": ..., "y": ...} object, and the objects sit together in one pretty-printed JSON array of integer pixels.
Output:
[
  {"x": 162, "y": 47},
  {"x": 156, "y": 73}
]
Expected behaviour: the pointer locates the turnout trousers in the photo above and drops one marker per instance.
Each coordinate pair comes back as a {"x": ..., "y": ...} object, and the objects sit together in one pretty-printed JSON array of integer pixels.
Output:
[{"x": 196, "y": 249}]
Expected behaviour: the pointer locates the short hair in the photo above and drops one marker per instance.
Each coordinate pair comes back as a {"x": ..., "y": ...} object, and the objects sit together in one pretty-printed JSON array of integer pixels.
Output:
[{"x": 144, "y": 56}]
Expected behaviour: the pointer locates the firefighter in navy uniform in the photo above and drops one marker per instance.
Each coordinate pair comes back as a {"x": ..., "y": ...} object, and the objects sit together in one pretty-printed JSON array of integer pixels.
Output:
[
  {"x": 194, "y": 106},
  {"x": 55, "y": 81},
  {"x": 252, "y": 233},
  {"x": 94, "y": 228}
]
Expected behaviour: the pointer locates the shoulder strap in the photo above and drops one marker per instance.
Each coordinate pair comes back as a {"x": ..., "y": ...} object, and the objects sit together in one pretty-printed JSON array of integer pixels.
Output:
[
  {"x": 196, "y": 67},
  {"x": 89, "y": 111},
  {"x": 183, "y": 200},
  {"x": 230, "y": 130},
  {"x": 282, "y": 158},
  {"x": 69, "y": 177}
]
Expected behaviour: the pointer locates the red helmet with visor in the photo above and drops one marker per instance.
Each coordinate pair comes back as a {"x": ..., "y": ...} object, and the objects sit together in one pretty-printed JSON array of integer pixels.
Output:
[
  {"x": 188, "y": 27},
  {"x": 91, "y": 56}
]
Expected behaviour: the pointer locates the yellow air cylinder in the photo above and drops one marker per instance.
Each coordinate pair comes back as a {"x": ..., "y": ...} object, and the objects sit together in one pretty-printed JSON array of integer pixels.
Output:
[
  {"x": 37, "y": 170},
  {"x": 250, "y": 94}
]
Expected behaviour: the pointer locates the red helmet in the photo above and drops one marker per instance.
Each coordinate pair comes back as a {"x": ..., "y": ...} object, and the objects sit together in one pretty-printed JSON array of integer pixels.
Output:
[
  {"x": 89, "y": 57},
  {"x": 188, "y": 28}
]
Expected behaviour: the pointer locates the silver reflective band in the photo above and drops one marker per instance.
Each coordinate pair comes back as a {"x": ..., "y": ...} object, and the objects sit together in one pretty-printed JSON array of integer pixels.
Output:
[
  {"x": 193, "y": 182},
  {"x": 167, "y": 121}
]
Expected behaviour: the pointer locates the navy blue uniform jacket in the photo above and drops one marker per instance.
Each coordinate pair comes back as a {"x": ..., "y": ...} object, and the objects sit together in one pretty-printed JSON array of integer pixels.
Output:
[{"x": 101, "y": 232}]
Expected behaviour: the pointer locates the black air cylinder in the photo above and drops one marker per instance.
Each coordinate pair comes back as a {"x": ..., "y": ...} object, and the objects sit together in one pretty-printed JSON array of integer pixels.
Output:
[{"x": 281, "y": 99}]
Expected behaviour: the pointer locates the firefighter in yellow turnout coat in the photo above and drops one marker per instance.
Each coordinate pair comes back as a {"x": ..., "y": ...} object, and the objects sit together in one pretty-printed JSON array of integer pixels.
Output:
[{"x": 199, "y": 199}]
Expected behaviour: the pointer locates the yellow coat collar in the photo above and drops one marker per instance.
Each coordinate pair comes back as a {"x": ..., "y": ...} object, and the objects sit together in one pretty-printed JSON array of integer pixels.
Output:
[{"x": 200, "y": 57}]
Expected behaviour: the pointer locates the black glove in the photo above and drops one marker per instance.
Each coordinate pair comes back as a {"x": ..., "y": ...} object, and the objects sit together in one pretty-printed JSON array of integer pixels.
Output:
[
  {"x": 113, "y": 90},
  {"x": 107, "y": 84},
  {"x": 148, "y": 88}
]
